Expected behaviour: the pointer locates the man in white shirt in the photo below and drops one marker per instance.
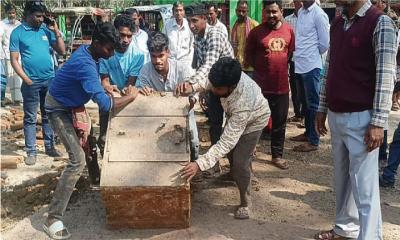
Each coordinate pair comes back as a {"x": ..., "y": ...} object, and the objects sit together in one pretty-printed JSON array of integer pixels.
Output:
[
  {"x": 180, "y": 37},
  {"x": 14, "y": 81},
  {"x": 212, "y": 17},
  {"x": 312, "y": 41},
  {"x": 247, "y": 112},
  {"x": 140, "y": 37}
]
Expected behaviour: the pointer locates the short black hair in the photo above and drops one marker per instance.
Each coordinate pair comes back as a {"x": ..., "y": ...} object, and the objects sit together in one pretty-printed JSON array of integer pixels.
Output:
[
  {"x": 176, "y": 4},
  {"x": 196, "y": 9},
  {"x": 157, "y": 42},
  {"x": 8, "y": 7},
  {"x": 226, "y": 72},
  {"x": 34, "y": 6},
  {"x": 242, "y": 2},
  {"x": 212, "y": 4},
  {"x": 270, "y": 2},
  {"x": 105, "y": 32},
  {"x": 123, "y": 20},
  {"x": 131, "y": 11}
]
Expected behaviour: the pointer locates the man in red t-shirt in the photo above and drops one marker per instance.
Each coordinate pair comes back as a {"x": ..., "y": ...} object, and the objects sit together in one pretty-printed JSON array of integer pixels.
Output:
[{"x": 268, "y": 50}]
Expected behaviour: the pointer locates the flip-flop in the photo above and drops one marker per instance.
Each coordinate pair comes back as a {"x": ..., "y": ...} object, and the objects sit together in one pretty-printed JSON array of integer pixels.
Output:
[
  {"x": 280, "y": 163},
  {"x": 242, "y": 213},
  {"x": 330, "y": 235},
  {"x": 55, "y": 229}
]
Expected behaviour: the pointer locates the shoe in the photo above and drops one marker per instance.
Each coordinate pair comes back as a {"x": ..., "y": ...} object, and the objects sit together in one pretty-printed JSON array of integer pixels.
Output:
[
  {"x": 299, "y": 138},
  {"x": 30, "y": 160},
  {"x": 385, "y": 184},
  {"x": 53, "y": 152}
]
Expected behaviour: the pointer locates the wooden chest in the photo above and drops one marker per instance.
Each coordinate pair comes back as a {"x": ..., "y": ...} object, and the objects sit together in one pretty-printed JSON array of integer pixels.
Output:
[{"x": 147, "y": 142}]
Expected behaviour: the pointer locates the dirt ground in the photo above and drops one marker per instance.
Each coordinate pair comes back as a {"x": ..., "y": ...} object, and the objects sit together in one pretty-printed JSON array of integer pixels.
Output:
[{"x": 287, "y": 204}]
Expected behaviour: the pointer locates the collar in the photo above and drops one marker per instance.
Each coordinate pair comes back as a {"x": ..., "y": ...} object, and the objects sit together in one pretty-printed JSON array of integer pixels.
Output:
[
  {"x": 29, "y": 28},
  {"x": 234, "y": 94},
  {"x": 208, "y": 27},
  {"x": 361, "y": 12},
  {"x": 175, "y": 24},
  {"x": 138, "y": 33}
]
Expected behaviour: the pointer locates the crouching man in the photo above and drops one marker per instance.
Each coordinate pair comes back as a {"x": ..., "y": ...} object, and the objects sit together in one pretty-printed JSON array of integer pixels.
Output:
[
  {"x": 163, "y": 74},
  {"x": 74, "y": 85},
  {"x": 247, "y": 112}
]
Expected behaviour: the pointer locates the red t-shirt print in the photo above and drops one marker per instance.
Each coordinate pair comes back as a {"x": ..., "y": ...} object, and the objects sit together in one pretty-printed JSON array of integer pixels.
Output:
[{"x": 268, "y": 50}]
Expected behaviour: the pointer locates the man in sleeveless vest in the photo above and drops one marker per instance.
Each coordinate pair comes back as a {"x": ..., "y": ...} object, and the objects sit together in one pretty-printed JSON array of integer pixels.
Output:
[{"x": 356, "y": 96}]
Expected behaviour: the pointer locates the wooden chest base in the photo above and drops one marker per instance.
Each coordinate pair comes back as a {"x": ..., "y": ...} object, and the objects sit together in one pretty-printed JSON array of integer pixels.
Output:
[{"x": 147, "y": 207}]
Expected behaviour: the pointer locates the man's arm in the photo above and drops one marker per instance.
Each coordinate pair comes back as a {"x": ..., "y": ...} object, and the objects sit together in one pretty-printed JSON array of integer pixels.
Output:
[
  {"x": 131, "y": 81},
  {"x": 250, "y": 49},
  {"x": 322, "y": 25},
  {"x": 233, "y": 130},
  {"x": 58, "y": 43},
  {"x": 320, "y": 118},
  {"x": 14, "y": 57}
]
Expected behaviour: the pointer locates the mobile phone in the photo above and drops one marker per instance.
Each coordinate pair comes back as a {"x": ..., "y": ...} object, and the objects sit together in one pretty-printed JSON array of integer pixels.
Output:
[{"x": 48, "y": 21}]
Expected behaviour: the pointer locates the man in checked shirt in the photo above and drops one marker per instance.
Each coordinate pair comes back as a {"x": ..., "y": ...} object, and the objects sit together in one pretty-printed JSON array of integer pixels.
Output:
[
  {"x": 356, "y": 95},
  {"x": 210, "y": 45}
]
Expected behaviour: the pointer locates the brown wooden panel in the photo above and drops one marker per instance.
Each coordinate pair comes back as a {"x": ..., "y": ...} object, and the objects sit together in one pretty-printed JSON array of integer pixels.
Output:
[
  {"x": 147, "y": 207},
  {"x": 147, "y": 139},
  {"x": 156, "y": 105}
]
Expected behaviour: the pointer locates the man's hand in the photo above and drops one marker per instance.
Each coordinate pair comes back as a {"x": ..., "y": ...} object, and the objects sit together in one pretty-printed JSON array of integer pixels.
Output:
[
  {"x": 373, "y": 137},
  {"x": 132, "y": 91},
  {"x": 112, "y": 88},
  {"x": 320, "y": 126},
  {"x": 146, "y": 91},
  {"x": 189, "y": 171},
  {"x": 203, "y": 101},
  {"x": 28, "y": 81},
  {"x": 184, "y": 89},
  {"x": 192, "y": 102}
]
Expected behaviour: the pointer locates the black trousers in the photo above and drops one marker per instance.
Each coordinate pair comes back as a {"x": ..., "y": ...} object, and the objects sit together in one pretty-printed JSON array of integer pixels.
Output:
[
  {"x": 279, "y": 105},
  {"x": 294, "y": 89},
  {"x": 215, "y": 114}
]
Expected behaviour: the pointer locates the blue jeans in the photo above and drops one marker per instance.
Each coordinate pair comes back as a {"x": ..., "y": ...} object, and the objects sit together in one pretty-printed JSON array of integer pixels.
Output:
[
  {"x": 33, "y": 96},
  {"x": 390, "y": 170},
  {"x": 311, "y": 86}
]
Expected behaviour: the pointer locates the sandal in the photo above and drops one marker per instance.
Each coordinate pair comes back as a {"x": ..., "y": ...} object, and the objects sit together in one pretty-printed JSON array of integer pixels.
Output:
[
  {"x": 57, "y": 230},
  {"x": 280, "y": 163},
  {"x": 242, "y": 213},
  {"x": 300, "y": 138},
  {"x": 330, "y": 235},
  {"x": 307, "y": 147}
]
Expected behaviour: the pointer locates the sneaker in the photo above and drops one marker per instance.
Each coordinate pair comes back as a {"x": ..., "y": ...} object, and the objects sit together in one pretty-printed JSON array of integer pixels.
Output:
[
  {"x": 385, "y": 184},
  {"x": 53, "y": 152},
  {"x": 30, "y": 160}
]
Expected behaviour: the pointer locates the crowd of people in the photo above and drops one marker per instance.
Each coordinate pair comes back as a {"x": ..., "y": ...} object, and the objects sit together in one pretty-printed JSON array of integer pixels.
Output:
[{"x": 343, "y": 71}]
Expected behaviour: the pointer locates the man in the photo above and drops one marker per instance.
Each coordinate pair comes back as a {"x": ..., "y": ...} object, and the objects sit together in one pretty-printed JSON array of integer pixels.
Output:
[
  {"x": 163, "y": 74},
  {"x": 121, "y": 70},
  {"x": 75, "y": 84},
  {"x": 8, "y": 25},
  {"x": 268, "y": 50},
  {"x": 298, "y": 107},
  {"x": 356, "y": 94},
  {"x": 212, "y": 15},
  {"x": 387, "y": 178},
  {"x": 312, "y": 40},
  {"x": 239, "y": 34},
  {"x": 210, "y": 45},
  {"x": 247, "y": 112},
  {"x": 140, "y": 37},
  {"x": 31, "y": 41},
  {"x": 179, "y": 35}
]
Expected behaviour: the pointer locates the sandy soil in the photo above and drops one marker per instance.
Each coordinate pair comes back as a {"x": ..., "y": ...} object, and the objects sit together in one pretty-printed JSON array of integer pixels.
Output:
[{"x": 291, "y": 204}]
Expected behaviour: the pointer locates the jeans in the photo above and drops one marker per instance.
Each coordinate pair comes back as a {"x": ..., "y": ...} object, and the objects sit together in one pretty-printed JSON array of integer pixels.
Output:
[
  {"x": 33, "y": 96},
  {"x": 356, "y": 178},
  {"x": 311, "y": 95},
  {"x": 390, "y": 170},
  {"x": 61, "y": 122},
  {"x": 279, "y": 105},
  {"x": 298, "y": 107}
]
